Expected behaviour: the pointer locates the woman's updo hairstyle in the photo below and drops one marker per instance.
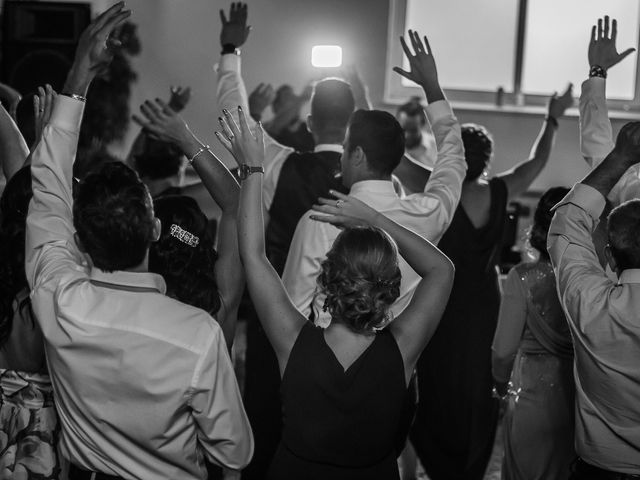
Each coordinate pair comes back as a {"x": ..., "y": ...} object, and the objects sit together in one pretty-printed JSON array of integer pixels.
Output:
[
  {"x": 478, "y": 149},
  {"x": 361, "y": 278},
  {"x": 187, "y": 270},
  {"x": 542, "y": 218}
]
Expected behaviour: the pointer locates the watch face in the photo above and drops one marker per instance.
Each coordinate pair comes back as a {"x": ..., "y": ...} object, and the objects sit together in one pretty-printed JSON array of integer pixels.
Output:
[{"x": 244, "y": 171}]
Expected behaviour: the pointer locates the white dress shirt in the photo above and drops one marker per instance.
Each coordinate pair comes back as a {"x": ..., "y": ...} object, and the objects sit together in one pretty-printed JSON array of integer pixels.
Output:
[
  {"x": 428, "y": 214},
  {"x": 604, "y": 318},
  {"x": 596, "y": 138},
  {"x": 144, "y": 386},
  {"x": 425, "y": 154}
]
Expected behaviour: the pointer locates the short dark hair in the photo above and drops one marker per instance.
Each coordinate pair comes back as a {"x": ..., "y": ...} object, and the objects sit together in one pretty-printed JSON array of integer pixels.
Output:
[
  {"x": 187, "y": 270},
  {"x": 113, "y": 216},
  {"x": 478, "y": 149},
  {"x": 381, "y": 138},
  {"x": 413, "y": 108},
  {"x": 332, "y": 104},
  {"x": 361, "y": 278},
  {"x": 624, "y": 234},
  {"x": 158, "y": 160},
  {"x": 91, "y": 158},
  {"x": 542, "y": 218}
]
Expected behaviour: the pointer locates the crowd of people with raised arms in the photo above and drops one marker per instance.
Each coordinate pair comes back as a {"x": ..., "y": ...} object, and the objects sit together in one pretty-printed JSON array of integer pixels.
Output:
[{"x": 360, "y": 248}]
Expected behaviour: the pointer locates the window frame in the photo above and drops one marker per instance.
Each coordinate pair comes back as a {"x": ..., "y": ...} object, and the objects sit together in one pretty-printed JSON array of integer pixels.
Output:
[{"x": 395, "y": 93}]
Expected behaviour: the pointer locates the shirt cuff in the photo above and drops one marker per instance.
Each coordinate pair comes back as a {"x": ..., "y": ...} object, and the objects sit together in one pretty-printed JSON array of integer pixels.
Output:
[
  {"x": 585, "y": 197},
  {"x": 594, "y": 87},
  {"x": 438, "y": 110},
  {"x": 67, "y": 113},
  {"x": 229, "y": 62}
]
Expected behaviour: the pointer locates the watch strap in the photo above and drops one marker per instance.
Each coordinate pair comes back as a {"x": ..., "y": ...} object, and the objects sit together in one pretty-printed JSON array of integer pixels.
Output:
[{"x": 597, "y": 71}]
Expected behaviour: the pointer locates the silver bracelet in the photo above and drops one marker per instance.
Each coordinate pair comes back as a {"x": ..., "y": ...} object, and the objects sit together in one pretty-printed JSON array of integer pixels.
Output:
[
  {"x": 80, "y": 98},
  {"x": 203, "y": 148}
]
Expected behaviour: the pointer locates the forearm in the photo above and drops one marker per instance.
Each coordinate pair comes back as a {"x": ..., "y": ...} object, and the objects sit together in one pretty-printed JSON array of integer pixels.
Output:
[
  {"x": 596, "y": 135},
  {"x": 250, "y": 221},
  {"x": 433, "y": 92},
  {"x": 215, "y": 176},
  {"x": 13, "y": 149},
  {"x": 608, "y": 173}
]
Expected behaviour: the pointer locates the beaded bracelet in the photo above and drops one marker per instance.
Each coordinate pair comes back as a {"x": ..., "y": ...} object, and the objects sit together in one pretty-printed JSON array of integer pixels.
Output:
[
  {"x": 203, "y": 148},
  {"x": 597, "y": 71}
]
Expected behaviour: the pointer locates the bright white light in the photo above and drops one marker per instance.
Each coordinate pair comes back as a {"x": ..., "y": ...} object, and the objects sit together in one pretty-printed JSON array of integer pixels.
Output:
[{"x": 326, "y": 56}]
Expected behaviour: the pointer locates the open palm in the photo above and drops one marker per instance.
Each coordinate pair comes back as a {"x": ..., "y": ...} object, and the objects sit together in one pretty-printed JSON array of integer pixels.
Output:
[
  {"x": 422, "y": 65},
  {"x": 602, "y": 47}
]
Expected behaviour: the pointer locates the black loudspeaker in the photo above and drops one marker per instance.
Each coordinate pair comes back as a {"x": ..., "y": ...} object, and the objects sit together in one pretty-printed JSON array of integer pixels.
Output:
[{"x": 39, "y": 41}]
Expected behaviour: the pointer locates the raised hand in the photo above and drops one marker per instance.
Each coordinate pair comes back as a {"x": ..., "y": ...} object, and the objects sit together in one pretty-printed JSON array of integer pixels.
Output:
[
  {"x": 259, "y": 99},
  {"x": 602, "y": 47},
  {"x": 179, "y": 99},
  {"x": 42, "y": 108},
  {"x": 344, "y": 212},
  {"x": 628, "y": 143},
  {"x": 234, "y": 30},
  {"x": 163, "y": 123},
  {"x": 558, "y": 105},
  {"x": 423, "y": 66},
  {"x": 95, "y": 49},
  {"x": 246, "y": 147},
  {"x": 12, "y": 98}
]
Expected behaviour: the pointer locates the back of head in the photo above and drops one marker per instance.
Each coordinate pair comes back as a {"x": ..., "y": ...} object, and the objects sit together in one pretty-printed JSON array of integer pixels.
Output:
[
  {"x": 185, "y": 260},
  {"x": 478, "y": 149},
  {"x": 624, "y": 235},
  {"x": 113, "y": 216},
  {"x": 14, "y": 205},
  {"x": 158, "y": 160},
  {"x": 542, "y": 218},
  {"x": 381, "y": 138},
  {"x": 332, "y": 104},
  {"x": 361, "y": 278},
  {"x": 91, "y": 158},
  {"x": 413, "y": 108}
]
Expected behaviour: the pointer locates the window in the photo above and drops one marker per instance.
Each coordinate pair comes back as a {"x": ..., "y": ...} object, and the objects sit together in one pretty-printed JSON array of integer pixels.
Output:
[{"x": 529, "y": 48}]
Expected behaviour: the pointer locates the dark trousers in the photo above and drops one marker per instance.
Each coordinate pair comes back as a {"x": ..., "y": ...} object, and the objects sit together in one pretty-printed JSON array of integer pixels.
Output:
[
  {"x": 77, "y": 473},
  {"x": 581, "y": 470},
  {"x": 261, "y": 398}
]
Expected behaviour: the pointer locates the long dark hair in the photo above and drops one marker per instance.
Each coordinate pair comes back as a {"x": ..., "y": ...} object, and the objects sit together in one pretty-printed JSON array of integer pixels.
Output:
[
  {"x": 188, "y": 269},
  {"x": 542, "y": 219},
  {"x": 14, "y": 205}
]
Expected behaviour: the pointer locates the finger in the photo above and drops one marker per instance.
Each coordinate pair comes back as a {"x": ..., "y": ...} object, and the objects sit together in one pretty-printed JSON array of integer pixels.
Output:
[
  {"x": 569, "y": 90},
  {"x": 606, "y": 26},
  {"x": 48, "y": 99},
  {"x": 599, "y": 29},
  {"x": 225, "y": 143},
  {"x": 164, "y": 108},
  {"x": 233, "y": 126},
  {"x": 414, "y": 44},
  {"x": 140, "y": 121},
  {"x": 104, "y": 17},
  {"x": 149, "y": 112},
  {"x": 627, "y": 52},
  {"x": 36, "y": 107},
  {"x": 223, "y": 17},
  {"x": 243, "y": 13},
  {"x": 228, "y": 134},
  {"x": 407, "y": 52},
  {"x": 323, "y": 218},
  {"x": 593, "y": 33},
  {"x": 418, "y": 42},
  {"x": 259, "y": 133},
  {"x": 426, "y": 44},
  {"x": 338, "y": 195},
  {"x": 329, "y": 209},
  {"x": 112, "y": 23},
  {"x": 402, "y": 72},
  {"x": 157, "y": 110},
  {"x": 614, "y": 29},
  {"x": 327, "y": 201},
  {"x": 244, "y": 125}
]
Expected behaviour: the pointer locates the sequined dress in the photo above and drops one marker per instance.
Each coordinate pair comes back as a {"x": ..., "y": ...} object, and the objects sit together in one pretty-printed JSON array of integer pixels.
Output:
[{"x": 539, "y": 422}]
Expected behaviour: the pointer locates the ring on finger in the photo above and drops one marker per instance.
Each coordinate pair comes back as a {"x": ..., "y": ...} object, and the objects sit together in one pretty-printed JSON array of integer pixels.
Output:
[{"x": 339, "y": 203}]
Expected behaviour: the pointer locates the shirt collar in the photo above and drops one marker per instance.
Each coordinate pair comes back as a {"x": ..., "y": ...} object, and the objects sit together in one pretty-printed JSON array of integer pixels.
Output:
[
  {"x": 328, "y": 147},
  {"x": 631, "y": 275},
  {"x": 373, "y": 186},
  {"x": 130, "y": 281}
]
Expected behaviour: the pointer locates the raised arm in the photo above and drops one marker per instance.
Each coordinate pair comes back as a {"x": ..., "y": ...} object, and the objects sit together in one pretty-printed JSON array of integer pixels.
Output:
[
  {"x": 414, "y": 327},
  {"x": 13, "y": 148},
  {"x": 596, "y": 135},
  {"x": 49, "y": 244},
  {"x": 279, "y": 318},
  {"x": 445, "y": 182},
  {"x": 163, "y": 122},
  {"x": 520, "y": 177}
]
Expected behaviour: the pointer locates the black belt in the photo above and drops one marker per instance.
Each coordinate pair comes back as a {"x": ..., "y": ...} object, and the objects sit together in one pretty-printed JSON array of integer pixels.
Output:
[
  {"x": 581, "y": 467},
  {"x": 77, "y": 473}
]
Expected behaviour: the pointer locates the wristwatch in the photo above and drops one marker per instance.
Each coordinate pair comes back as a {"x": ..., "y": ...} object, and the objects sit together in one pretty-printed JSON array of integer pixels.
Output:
[
  {"x": 597, "y": 71},
  {"x": 229, "y": 48},
  {"x": 245, "y": 170}
]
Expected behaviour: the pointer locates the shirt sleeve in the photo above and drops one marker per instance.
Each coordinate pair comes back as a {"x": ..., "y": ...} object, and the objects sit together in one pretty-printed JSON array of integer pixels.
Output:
[
  {"x": 596, "y": 138},
  {"x": 231, "y": 93},
  {"x": 308, "y": 250},
  {"x": 582, "y": 283},
  {"x": 50, "y": 246},
  {"x": 511, "y": 323},
  {"x": 224, "y": 432},
  {"x": 444, "y": 186}
]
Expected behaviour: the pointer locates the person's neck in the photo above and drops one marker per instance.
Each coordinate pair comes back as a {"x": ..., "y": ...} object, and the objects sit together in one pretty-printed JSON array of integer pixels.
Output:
[
  {"x": 331, "y": 138},
  {"x": 369, "y": 176}
]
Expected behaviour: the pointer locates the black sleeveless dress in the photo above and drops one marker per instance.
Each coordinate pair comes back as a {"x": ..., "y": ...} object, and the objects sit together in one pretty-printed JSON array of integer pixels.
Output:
[
  {"x": 340, "y": 425},
  {"x": 456, "y": 420}
]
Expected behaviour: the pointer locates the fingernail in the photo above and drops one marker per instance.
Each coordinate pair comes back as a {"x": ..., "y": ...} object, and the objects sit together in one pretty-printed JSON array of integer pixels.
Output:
[
  {"x": 239, "y": 108},
  {"x": 225, "y": 111}
]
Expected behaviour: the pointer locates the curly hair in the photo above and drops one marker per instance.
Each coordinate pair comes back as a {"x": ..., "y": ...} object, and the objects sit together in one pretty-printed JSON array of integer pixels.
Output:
[
  {"x": 361, "y": 278},
  {"x": 478, "y": 149},
  {"x": 188, "y": 271},
  {"x": 542, "y": 218},
  {"x": 13, "y": 207}
]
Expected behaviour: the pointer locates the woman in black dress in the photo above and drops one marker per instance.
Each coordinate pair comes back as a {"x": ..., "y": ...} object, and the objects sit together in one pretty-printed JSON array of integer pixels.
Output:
[
  {"x": 456, "y": 420},
  {"x": 343, "y": 388}
]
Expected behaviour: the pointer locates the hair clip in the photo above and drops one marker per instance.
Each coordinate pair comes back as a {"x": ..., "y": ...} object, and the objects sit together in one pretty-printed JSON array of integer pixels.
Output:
[{"x": 184, "y": 236}]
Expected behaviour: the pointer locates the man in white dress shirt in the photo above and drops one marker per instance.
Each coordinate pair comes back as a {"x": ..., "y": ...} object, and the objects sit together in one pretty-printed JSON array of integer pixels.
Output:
[
  {"x": 373, "y": 148},
  {"x": 144, "y": 386}
]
